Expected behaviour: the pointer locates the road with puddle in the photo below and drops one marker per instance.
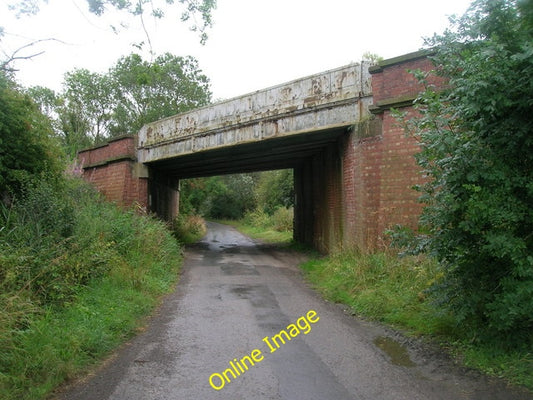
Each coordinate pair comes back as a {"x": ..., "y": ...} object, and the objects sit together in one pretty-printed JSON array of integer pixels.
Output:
[{"x": 243, "y": 324}]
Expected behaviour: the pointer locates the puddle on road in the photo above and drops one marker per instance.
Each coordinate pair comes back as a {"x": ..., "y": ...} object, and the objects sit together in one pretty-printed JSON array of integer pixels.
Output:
[
  {"x": 397, "y": 352},
  {"x": 238, "y": 269},
  {"x": 198, "y": 246}
]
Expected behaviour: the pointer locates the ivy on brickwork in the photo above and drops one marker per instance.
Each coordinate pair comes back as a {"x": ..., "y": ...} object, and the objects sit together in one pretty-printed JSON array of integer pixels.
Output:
[{"x": 477, "y": 149}]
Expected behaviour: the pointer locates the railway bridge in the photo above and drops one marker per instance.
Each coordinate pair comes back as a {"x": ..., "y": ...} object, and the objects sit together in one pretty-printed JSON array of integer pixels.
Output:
[{"x": 353, "y": 166}]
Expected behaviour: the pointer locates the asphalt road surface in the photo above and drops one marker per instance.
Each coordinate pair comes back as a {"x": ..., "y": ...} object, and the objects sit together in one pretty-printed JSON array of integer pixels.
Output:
[{"x": 243, "y": 324}]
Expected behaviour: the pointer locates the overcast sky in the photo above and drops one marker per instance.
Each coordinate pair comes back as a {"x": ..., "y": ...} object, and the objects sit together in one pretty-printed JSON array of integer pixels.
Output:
[{"x": 253, "y": 44}]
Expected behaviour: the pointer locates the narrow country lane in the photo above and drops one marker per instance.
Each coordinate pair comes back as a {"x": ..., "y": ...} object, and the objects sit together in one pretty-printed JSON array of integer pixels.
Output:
[{"x": 219, "y": 336}]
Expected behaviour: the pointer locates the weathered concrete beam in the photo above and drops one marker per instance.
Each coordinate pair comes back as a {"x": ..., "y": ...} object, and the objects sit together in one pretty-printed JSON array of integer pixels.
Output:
[{"x": 337, "y": 97}]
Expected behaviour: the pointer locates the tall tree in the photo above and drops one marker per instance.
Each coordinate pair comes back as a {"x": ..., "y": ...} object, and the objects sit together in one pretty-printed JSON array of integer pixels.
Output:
[
  {"x": 477, "y": 148},
  {"x": 147, "y": 91},
  {"x": 94, "y": 107},
  {"x": 275, "y": 189},
  {"x": 89, "y": 98}
]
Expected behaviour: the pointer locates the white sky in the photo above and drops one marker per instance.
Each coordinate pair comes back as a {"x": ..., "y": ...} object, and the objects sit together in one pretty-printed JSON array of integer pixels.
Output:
[{"x": 252, "y": 45}]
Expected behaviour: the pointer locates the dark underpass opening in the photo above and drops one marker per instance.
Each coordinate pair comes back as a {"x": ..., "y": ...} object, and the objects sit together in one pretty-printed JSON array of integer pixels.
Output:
[{"x": 297, "y": 180}]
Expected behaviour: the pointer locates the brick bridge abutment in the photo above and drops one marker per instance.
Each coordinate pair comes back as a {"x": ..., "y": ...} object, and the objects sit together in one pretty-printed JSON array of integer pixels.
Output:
[{"x": 349, "y": 190}]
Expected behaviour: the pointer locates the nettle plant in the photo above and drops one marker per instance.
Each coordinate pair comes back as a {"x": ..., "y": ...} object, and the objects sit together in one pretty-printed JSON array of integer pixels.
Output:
[{"x": 476, "y": 140}]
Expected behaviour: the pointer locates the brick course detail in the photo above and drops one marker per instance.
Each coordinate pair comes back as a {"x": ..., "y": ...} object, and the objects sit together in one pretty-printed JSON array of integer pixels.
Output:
[{"x": 110, "y": 168}]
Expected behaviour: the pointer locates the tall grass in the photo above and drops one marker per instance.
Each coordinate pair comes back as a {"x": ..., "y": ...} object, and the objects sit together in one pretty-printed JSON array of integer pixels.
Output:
[
  {"x": 189, "y": 228},
  {"x": 76, "y": 276},
  {"x": 275, "y": 228},
  {"x": 395, "y": 290},
  {"x": 383, "y": 287}
]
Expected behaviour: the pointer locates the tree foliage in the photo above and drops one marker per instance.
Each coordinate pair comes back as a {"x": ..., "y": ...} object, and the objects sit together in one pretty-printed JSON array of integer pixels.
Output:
[
  {"x": 87, "y": 103},
  {"x": 146, "y": 91},
  {"x": 220, "y": 197},
  {"x": 477, "y": 150},
  {"x": 27, "y": 150},
  {"x": 275, "y": 190},
  {"x": 94, "y": 106},
  {"x": 199, "y": 12},
  {"x": 232, "y": 196}
]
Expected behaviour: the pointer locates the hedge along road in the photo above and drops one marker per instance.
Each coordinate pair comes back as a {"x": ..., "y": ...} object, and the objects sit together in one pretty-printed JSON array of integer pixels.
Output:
[{"x": 242, "y": 324}]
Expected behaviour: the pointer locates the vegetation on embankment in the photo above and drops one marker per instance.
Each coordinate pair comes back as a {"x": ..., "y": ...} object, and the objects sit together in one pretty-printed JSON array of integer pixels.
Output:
[
  {"x": 188, "y": 228},
  {"x": 77, "y": 275},
  {"x": 397, "y": 291},
  {"x": 258, "y": 224}
]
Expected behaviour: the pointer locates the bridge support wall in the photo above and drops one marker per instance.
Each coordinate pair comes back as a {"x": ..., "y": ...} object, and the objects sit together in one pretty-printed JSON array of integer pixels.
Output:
[
  {"x": 163, "y": 194},
  {"x": 379, "y": 167},
  {"x": 353, "y": 192},
  {"x": 318, "y": 212},
  {"x": 113, "y": 169}
]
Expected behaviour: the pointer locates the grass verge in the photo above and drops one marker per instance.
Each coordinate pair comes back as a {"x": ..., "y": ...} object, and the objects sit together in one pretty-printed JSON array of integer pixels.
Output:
[
  {"x": 188, "y": 228},
  {"x": 69, "y": 297},
  {"x": 393, "y": 290},
  {"x": 266, "y": 235}
]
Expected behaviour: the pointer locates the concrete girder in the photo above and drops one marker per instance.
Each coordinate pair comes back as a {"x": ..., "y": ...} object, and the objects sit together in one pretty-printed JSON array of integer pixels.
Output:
[{"x": 318, "y": 103}]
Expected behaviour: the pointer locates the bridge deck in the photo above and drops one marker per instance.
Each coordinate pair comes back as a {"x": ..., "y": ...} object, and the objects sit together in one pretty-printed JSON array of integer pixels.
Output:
[{"x": 271, "y": 128}]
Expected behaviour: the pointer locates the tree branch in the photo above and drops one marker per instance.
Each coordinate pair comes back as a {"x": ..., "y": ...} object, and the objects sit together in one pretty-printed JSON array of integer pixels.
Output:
[{"x": 4, "y": 65}]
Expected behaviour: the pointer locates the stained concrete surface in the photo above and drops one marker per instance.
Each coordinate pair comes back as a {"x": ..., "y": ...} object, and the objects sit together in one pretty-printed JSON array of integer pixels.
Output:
[{"x": 233, "y": 293}]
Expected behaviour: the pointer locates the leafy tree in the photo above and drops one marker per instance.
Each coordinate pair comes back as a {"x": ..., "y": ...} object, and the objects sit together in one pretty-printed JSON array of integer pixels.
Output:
[
  {"x": 94, "y": 106},
  {"x": 69, "y": 125},
  {"x": 192, "y": 195},
  {"x": 47, "y": 100},
  {"x": 26, "y": 148},
  {"x": 477, "y": 149},
  {"x": 88, "y": 100},
  {"x": 229, "y": 196},
  {"x": 275, "y": 189},
  {"x": 71, "y": 121},
  {"x": 147, "y": 91},
  {"x": 232, "y": 196}
]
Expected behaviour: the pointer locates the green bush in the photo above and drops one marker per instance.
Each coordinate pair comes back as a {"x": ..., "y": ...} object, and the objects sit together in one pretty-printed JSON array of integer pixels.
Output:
[
  {"x": 258, "y": 218},
  {"x": 27, "y": 149},
  {"x": 280, "y": 221},
  {"x": 283, "y": 219},
  {"x": 74, "y": 286},
  {"x": 477, "y": 149}
]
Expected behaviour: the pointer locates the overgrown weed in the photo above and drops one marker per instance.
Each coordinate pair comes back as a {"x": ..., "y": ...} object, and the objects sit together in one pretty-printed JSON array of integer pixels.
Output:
[
  {"x": 69, "y": 296},
  {"x": 189, "y": 228}
]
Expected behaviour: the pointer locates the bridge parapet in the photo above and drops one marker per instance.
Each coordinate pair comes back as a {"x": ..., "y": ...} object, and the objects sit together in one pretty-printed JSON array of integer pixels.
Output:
[{"x": 280, "y": 110}]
